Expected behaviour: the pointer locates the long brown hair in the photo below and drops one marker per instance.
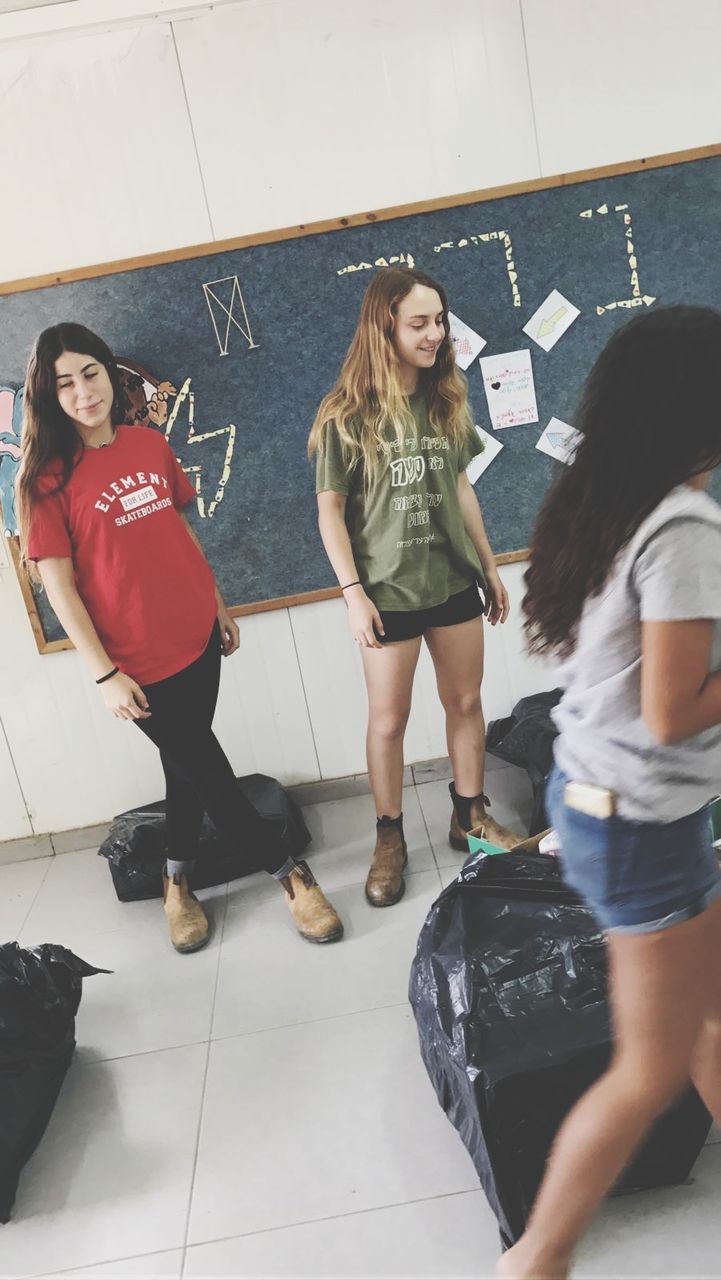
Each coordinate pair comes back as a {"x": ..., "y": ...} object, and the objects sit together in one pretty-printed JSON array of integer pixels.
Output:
[
  {"x": 48, "y": 434},
  {"x": 368, "y": 401},
  {"x": 650, "y": 419}
]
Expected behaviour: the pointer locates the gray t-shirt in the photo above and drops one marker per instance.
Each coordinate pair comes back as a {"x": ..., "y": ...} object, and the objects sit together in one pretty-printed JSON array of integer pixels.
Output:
[{"x": 671, "y": 571}]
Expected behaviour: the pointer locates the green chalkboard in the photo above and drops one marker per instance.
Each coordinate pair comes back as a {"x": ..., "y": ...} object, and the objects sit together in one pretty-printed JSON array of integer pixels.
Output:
[{"x": 248, "y": 335}]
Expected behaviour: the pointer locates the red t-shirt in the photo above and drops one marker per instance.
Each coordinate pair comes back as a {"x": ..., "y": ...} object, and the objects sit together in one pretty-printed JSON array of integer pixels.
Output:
[{"x": 148, "y": 589}]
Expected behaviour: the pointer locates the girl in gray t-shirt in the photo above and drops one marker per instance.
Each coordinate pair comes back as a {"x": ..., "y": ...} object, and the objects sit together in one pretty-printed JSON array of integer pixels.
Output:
[{"x": 624, "y": 584}]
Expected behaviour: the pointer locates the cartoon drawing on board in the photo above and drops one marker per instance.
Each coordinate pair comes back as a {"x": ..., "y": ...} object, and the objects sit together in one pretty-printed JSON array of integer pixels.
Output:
[
  {"x": 146, "y": 402},
  {"x": 11, "y": 411}
]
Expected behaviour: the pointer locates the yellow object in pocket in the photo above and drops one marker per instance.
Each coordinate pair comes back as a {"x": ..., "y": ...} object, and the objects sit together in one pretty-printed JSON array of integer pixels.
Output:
[{"x": 585, "y": 797}]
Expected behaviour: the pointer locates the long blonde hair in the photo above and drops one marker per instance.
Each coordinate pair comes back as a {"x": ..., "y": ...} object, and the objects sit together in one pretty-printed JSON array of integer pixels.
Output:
[{"x": 368, "y": 406}]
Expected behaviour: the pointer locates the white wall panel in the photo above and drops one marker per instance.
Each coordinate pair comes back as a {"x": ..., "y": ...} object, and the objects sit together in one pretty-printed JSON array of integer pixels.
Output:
[
  {"x": 76, "y": 764},
  {"x": 334, "y": 688},
  {"x": 96, "y": 151},
  {"x": 615, "y": 80},
  {"x": 14, "y": 819},
  {"x": 262, "y": 719},
  {"x": 305, "y": 111},
  {"x": 524, "y": 675}
]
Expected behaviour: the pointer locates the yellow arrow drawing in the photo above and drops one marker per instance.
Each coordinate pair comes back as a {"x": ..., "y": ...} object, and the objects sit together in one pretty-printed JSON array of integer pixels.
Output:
[{"x": 549, "y": 323}]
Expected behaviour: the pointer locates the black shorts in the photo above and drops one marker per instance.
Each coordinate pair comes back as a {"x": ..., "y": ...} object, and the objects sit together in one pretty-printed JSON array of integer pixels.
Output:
[{"x": 407, "y": 624}]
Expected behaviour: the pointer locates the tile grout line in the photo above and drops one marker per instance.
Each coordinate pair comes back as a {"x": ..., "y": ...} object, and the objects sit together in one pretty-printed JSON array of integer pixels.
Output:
[
  {"x": 36, "y": 895},
  {"x": 335, "y": 1217},
  {"x": 245, "y": 1235},
  {"x": 98, "y": 1262},
  {"x": 201, "y": 1111},
  {"x": 431, "y": 845},
  {"x": 312, "y": 1022},
  {"x": 305, "y": 696}
]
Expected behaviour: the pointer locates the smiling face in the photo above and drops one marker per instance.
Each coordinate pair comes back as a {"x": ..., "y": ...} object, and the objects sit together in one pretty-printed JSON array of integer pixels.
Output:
[
  {"x": 418, "y": 330},
  {"x": 85, "y": 393}
]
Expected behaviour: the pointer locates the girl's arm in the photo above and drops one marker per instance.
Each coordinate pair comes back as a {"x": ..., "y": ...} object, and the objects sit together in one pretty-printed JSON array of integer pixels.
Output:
[
  {"x": 679, "y": 697},
  {"x": 229, "y": 634},
  {"x": 362, "y": 613},
  {"x": 497, "y": 603},
  {"x": 121, "y": 694}
]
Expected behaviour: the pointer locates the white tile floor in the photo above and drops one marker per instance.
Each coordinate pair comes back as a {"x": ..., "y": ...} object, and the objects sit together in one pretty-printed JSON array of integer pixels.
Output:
[{"x": 260, "y": 1109}]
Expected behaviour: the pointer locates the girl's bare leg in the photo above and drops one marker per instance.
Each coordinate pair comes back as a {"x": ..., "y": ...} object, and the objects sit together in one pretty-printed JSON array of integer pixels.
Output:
[
  {"x": 389, "y": 676},
  {"x": 659, "y": 999},
  {"x": 457, "y": 654}
]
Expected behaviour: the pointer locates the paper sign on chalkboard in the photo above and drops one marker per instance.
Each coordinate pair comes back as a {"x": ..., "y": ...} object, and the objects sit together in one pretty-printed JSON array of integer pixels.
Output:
[
  {"x": 482, "y": 461},
  {"x": 509, "y": 388},
  {"x": 550, "y": 322},
  {"x": 467, "y": 343}
]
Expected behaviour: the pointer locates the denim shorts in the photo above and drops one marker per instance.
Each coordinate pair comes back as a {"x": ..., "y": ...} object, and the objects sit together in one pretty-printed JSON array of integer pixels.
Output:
[{"x": 637, "y": 877}]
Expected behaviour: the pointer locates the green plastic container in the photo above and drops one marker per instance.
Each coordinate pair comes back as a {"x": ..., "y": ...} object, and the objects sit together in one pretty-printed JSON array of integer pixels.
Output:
[{"x": 482, "y": 846}]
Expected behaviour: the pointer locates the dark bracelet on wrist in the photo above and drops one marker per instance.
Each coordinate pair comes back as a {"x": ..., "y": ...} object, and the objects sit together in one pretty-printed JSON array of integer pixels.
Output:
[
  {"x": 357, "y": 583},
  {"x": 109, "y": 676}
]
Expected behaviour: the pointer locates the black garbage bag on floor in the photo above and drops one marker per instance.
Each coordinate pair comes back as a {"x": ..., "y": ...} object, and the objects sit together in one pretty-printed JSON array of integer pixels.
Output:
[
  {"x": 40, "y": 989},
  {"x": 525, "y": 738},
  {"x": 136, "y": 848},
  {"x": 508, "y": 988}
]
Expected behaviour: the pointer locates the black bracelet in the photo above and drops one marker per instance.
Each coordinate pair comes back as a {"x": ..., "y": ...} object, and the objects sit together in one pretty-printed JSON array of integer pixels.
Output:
[
  {"x": 109, "y": 676},
  {"x": 357, "y": 583}
]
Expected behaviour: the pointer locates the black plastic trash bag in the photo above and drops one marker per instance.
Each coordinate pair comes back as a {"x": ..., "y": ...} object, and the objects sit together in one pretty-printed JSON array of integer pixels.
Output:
[
  {"x": 40, "y": 989},
  {"x": 508, "y": 988},
  {"x": 136, "y": 848},
  {"x": 525, "y": 738}
]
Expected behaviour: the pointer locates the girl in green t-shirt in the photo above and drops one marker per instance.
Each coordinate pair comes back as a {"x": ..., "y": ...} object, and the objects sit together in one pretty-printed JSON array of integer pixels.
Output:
[{"x": 403, "y": 531}]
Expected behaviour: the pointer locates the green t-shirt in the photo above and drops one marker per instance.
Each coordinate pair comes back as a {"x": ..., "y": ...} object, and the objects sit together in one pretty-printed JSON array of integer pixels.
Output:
[{"x": 409, "y": 541}]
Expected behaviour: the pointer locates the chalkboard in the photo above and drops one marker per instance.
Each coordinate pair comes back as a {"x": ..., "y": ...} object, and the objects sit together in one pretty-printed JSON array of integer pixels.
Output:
[{"x": 244, "y": 338}]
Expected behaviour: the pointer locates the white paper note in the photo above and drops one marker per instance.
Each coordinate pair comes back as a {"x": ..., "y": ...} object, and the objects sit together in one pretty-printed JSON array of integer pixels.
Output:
[
  {"x": 550, "y": 322},
  {"x": 491, "y": 447},
  {"x": 509, "y": 387},
  {"x": 467, "y": 342},
  {"x": 559, "y": 441}
]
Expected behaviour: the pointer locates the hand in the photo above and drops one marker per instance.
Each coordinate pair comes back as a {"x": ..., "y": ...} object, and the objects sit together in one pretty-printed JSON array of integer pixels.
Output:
[
  {"x": 124, "y": 698},
  {"x": 229, "y": 634},
  {"x": 498, "y": 605},
  {"x": 363, "y": 617},
  {"x": 158, "y": 403}
]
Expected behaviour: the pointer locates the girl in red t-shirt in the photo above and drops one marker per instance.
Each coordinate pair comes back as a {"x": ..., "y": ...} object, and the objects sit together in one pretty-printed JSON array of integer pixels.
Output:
[{"x": 101, "y": 515}]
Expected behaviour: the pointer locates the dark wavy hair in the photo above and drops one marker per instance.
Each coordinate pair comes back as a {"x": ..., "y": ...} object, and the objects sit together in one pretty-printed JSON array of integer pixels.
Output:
[
  {"x": 48, "y": 434},
  {"x": 650, "y": 418}
]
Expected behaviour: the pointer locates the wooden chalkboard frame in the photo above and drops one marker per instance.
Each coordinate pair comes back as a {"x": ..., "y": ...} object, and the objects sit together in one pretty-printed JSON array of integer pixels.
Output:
[{"x": 290, "y": 233}]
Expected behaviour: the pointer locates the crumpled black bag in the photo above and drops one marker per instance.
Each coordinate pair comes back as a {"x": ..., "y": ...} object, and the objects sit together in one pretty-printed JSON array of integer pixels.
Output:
[
  {"x": 136, "y": 848},
  {"x": 508, "y": 988},
  {"x": 40, "y": 989},
  {"x": 525, "y": 738}
]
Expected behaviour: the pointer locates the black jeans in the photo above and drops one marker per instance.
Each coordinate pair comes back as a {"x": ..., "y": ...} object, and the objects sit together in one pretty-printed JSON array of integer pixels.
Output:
[{"x": 198, "y": 775}]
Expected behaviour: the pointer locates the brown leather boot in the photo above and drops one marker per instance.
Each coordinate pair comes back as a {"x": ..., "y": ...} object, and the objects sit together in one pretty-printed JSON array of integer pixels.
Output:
[
  {"x": 385, "y": 884},
  {"x": 315, "y": 918},
  {"x": 189, "y": 929},
  {"x": 482, "y": 825}
]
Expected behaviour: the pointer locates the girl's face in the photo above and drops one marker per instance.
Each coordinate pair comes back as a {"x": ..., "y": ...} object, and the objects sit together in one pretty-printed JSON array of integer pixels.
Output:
[
  {"x": 418, "y": 328},
  {"x": 84, "y": 391}
]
